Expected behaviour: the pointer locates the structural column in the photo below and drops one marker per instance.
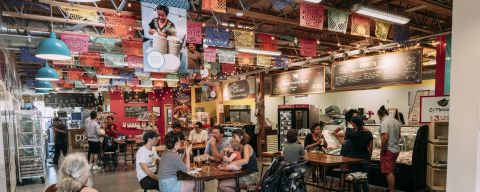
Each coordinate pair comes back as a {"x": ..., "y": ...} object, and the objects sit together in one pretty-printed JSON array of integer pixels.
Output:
[
  {"x": 463, "y": 142},
  {"x": 260, "y": 111}
]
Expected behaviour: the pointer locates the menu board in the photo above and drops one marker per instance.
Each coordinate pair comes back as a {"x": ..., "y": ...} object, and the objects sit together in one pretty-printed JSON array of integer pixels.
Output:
[
  {"x": 134, "y": 111},
  {"x": 135, "y": 97},
  {"x": 69, "y": 100},
  {"x": 241, "y": 89},
  {"x": 375, "y": 71},
  {"x": 309, "y": 80}
]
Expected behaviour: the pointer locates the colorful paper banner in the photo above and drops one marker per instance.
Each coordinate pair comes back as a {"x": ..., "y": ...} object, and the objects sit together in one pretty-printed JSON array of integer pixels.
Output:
[
  {"x": 311, "y": 15},
  {"x": 182, "y": 4},
  {"x": 114, "y": 60},
  {"x": 104, "y": 70},
  {"x": 74, "y": 75},
  {"x": 400, "y": 33},
  {"x": 91, "y": 59},
  {"x": 308, "y": 47},
  {"x": 360, "y": 26},
  {"x": 337, "y": 20},
  {"x": 226, "y": 56},
  {"x": 120, "y": 26},
  {"x": 132, "y": 47},
  {"x": 219, "y": 37},
  {"x": 281, "y": 62},
  {"x": 228, "y": 69},
  {"x": 80, "y": 14},
  {"x": 210, "y": 54},
  {"x": 214, "y": 5},
  {"x": 382, "y": 29},
  {"x": 269, "y": 42},
  {"x": 103, "y": 81},
  {"x": 244, "y": 39},
  {"x": 69, "y": 62},
  {"x": 194, "y": 32},
  {"x": 27, "y": 56},
  {"x": 135, "y": 62},
  {"x": 263, "y": 60},
  {"x": 107, "y": 42},
  {"x": 77, "y": 43},
  {"x": 245, "y": 58}
]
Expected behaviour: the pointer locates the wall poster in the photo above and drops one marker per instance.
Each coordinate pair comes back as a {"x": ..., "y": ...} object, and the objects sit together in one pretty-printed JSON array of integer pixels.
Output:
[{"x": 434, "y": 107}]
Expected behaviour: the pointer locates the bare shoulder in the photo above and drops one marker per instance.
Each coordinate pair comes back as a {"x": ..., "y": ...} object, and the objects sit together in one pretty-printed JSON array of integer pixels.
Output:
[{"x": 88, "y": 189}]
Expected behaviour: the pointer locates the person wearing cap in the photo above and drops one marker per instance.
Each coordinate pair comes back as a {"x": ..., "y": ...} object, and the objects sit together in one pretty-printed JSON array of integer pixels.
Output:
[
  {"x": 177, "y": 132},
  {"x": 362, "y": 145},
  {"x": 146, "y": 161}
]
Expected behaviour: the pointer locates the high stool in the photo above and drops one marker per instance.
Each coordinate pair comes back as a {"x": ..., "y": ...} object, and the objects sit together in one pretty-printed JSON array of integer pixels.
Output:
[
  {"x": 129, "y": 156},
  {"x": 355, "y": 181},
  {"x": 343, "y": 171},
  {"x": 109, "y": 158}
]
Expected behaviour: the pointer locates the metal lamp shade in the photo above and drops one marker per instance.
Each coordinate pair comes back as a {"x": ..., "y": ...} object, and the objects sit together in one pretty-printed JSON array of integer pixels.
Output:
[
  {"x": 46, "y": 73},
  {"x": 43, "y": 85},
  {"x": 53, "y": 49}
]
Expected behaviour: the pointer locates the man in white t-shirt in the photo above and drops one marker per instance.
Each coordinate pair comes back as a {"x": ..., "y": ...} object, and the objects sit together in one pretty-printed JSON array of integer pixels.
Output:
[
  {"x": 198, "y": 135},
  {"x": 147, "y": 160}
]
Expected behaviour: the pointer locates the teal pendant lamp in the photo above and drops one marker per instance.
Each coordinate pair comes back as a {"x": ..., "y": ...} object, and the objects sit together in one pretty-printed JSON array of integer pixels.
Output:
[
  {"x": 43, "y": 85},
  {"x": 46, "y": 73},
  {"x": 41, "y": 91},
  {"x": 53, "y": 49}
]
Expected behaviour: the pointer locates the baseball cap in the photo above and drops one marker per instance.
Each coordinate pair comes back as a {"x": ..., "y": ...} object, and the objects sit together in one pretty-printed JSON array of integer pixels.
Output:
[
  {"x": 149, "y": 135},
  {"x": 176, "y": 124}
]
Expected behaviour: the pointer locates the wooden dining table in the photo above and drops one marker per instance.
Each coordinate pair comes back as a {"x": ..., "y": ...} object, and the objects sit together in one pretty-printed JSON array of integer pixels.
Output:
[
  {"x": 211, "y": 171},
  {"x": 327, "y": 160},
  {"x": 162, "y": 148}
]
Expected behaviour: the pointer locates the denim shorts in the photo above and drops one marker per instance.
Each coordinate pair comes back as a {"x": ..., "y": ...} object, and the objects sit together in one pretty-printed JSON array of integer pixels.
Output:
[{"x": 171, "y": 184}]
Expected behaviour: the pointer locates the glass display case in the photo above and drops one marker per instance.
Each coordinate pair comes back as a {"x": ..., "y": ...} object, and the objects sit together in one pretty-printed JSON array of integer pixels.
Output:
[{"x": 30, "y": 145}]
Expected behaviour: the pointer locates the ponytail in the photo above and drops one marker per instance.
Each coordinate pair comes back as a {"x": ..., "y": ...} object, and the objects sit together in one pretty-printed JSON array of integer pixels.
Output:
[
  {"x": 69, "y": 184},
  {"x": 240, "y": 133},
  {"x": 382, "y": 111}
]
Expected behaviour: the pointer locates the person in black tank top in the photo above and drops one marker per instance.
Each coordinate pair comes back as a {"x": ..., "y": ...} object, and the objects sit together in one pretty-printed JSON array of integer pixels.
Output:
[{"x": 248, "y": 163}]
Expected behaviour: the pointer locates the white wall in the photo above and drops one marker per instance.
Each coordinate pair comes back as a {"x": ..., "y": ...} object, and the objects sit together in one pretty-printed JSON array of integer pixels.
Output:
[
  {"x": 463, "y": 137},
  {"x": 371, "y": 100}
]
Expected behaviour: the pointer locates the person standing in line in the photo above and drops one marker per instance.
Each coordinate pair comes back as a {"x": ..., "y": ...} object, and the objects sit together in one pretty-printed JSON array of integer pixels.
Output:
[
  {"x": 390, "y": 135},
  {"x": 60, "y": 130},
  {"x": 93, "y": 134},
  {"x": 147, "y": 160},
  {"x": 362, "y": 146}
]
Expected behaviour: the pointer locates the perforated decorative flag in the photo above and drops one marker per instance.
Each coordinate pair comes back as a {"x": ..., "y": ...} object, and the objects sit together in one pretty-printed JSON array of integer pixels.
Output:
[
  {"x": 244, "y": 39},
  {"x": 245, "y": 58},
  {"x": 210, "y": 54},
  {"x": 228, "y": 69},
  {"x": 122, "y": 26},
  {"x": 114, "y": 60},
  {"x": 134, "y": 82},
  {"x": 135, "y": 62},
  {"x": 132, "y": 47},
  {"x": 182, "y": 4},
  {"x": 74, "y": 75},
  {"x": 27, "y": 55},
  {"x": 77, "y": 43},
  {"x": 263, "y": 60},
  {"x": 382, "y": 29},
  {"x": 308, "y": 47},
  {"x": 69, "y": 62},
  {"x": 107, "y": 42},
  {"x": 311, "y": 15},
  {"x": 281, "y": 62},
  {"x": 214, "y": 5},
  {"x": 226, "y": 56},
  {"x": 337, "y": 20},
  {"x": 400, "y": 33},
  {"x": 219, "y": 37},
  {"x": 269, "y": 42},
  {"x": 104, "y": 70},
  {"x": 360, "y": 26},
  {"x": 194, "y": 32},
  {"x": 103, "y": 81},
  {"x": 91, "y": 59},
  {"x": 80, "y": 14}
]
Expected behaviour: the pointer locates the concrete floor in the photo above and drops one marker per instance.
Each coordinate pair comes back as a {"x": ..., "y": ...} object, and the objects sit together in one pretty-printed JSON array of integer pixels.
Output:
[{"x": 118, "y": 180}]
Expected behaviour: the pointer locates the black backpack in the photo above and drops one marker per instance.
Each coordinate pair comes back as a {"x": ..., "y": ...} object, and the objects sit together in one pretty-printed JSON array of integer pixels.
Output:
[
  {"x": 285, "y": 176},
  {"x": 109, "y": 144}
]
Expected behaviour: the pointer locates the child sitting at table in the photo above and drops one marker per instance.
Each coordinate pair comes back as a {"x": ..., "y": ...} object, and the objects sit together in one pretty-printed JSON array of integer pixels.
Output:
[{"x": 234, "y": 153}]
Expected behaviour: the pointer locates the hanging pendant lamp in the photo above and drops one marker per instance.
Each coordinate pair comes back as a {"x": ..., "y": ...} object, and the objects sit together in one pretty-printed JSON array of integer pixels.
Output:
[
  {"x": 41, "y": 91},
  {"x": 43, "y": 85},
  {"x": 46, "y": 73},
  {"x": 53, "y": 49}
]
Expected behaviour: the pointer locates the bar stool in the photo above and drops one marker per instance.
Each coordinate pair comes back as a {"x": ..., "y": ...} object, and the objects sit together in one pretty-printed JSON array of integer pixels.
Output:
[
  {"x": 129, "y": 156},
  {"x": 343, "y": 171},
  {"x": 110, "y": 158}
]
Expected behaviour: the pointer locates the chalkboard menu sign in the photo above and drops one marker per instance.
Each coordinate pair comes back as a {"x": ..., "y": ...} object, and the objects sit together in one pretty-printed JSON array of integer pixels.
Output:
[
  {"x": 135, "y": 97},
  {"x": 134, "y": 111},
  {"x": 309, "y": 80},
  {"x": 69, "y": 100},
  {"x": 388, "y": 69},
  {"x": 241, "y": 89}
]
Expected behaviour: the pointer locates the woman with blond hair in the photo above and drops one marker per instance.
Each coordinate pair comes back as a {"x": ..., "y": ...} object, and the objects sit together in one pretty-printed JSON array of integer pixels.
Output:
[{"x": 74, "y": 174}]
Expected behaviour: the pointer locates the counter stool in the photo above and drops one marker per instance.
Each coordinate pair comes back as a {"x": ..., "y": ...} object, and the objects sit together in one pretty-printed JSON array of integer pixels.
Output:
[
  {"x": 129, "y": 156},
  {"x": 343, "y": 171},
  {"x": 355, "y": 181}
]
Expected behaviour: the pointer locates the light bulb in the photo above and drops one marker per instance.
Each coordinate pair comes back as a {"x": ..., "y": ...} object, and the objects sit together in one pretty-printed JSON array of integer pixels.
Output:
[
  {"x": 358, "y": 45},
  {"x": 273, "y": 38},
  {"x": 119, "y": 14},
  {"x": 204, "y": 24},
  {"x": 129, "y": 4},
  {"x": 251, "y": 32},
  {"x": 318, "y": 42},
  {"x": 227, "y": 30},
  {"x": 295, "y": 40},
  {"x": 338, "y": 44}
]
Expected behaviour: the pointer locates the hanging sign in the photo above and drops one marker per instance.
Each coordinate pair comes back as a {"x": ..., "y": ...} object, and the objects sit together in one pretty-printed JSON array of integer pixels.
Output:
[
  {"x": 281, "y": 62},
  {"x": 308, "y": 47},
  {"x": 194, "y": 32},
  {"x": 269, "y": 42},
  {"x": 360, "y": 26},
  {"x": 244, "y": 39},
  {"x": 245, "y": 58},
  {"x": 122, "y": 26},
  {"x": 303, "y": 81},
  {"x": 80, "y": 14},
  {"x": 400, "y": 33},
  {"x": 214, "y": 5},
  {"x": 242, "y": 89},
  {"x": 376, "y": 71},
  {"x": 434, "y": 108},
  {"x": 210, "y": 54},
  {"x": 218, "y": 37},
  {"x": 337, "y": 20},
  {"x": 77, "y": 43},
  {"x": 108, "y": 43},
  {"x": 226, "y": 56},
  {"x": 263, "y": 60},
  {"x": 382, "y": 29}
]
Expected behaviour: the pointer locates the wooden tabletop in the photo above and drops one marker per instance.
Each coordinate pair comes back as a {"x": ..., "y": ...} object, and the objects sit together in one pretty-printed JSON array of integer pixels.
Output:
[
  {"x": 211, "y": 171},
  {"x": 331, "y": 160},
  {"x": 162, "y": 148},
  {"x": 271, "y": 154}
]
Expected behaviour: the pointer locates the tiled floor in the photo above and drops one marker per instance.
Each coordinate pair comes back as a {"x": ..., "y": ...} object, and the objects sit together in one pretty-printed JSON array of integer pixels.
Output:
[{"x": 116, "y": 181}]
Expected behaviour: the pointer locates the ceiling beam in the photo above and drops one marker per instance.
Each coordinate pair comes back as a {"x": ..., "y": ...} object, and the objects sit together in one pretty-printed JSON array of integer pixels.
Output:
[
  {"x": 416, "y": 8},
  {"x": 432, "y": 6},
  {"x": 99, "y": 9}
]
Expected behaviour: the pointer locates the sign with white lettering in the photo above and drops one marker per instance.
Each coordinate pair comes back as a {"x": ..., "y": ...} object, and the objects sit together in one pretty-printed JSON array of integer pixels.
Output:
[
  {"x": 434, "y": 107},
  {"x": 303, "y": 81},
  {"x": 239, "y": 89}
]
